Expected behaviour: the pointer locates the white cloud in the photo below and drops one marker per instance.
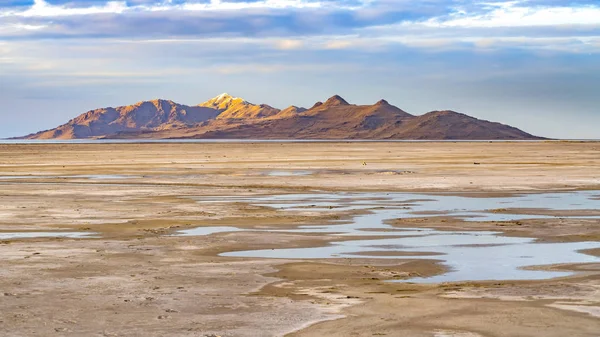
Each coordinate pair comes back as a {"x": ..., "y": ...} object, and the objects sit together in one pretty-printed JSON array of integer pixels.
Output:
[
  {"x": 510, "y": 14},
  {"x": 221, "y": 5},
  {"x": 41, "y": 8}
]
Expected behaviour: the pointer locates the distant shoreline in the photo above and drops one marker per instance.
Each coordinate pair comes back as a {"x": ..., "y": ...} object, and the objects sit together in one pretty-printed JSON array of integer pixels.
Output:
[{"x": 175, "y": 141}]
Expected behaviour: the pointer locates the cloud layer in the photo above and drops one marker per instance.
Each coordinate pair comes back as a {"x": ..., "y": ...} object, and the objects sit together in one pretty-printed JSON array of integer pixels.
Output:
[{"x": 387, "y": 20}]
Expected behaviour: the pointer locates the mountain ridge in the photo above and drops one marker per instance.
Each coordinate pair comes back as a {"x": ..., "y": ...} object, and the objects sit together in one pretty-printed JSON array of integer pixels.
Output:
[{"x": 226, "y": 116}]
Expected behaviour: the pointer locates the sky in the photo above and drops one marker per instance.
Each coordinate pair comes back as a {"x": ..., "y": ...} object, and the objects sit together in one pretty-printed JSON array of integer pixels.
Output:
[{"x": 533, "y": 64}]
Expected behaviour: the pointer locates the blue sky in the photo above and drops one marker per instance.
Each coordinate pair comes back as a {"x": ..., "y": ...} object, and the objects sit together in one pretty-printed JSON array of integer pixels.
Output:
[{"x": 532, "y": 64}]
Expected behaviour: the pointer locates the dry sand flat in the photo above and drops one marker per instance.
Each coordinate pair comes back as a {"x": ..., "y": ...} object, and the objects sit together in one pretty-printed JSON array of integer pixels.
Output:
[
  {"x": 442, "y": 166},
  {"x": 134, "y": 280}
]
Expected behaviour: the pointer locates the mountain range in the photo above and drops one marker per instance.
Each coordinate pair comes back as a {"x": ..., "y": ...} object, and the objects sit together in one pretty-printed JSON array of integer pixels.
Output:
[{"x": 228, "y": 117}]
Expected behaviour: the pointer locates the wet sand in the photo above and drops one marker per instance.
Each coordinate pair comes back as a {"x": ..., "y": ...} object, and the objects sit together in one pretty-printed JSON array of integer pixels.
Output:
[{"x": 136, "y": 280}]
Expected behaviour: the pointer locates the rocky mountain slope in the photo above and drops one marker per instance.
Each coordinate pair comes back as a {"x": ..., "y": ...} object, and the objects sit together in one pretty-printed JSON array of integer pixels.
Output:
[
  {"x": 150, "y": 115},
  {"x": 231, "y": 117}
]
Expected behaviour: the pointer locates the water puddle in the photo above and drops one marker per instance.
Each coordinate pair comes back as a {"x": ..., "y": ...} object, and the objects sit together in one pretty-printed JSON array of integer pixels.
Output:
[
  {"x": 33, "y": 235},
  {"x": 206, "y": 231},
  {"x": 409, "y": 205},
  {"x": 474, "y": 256},
  {"x": 101, "y": 176}
]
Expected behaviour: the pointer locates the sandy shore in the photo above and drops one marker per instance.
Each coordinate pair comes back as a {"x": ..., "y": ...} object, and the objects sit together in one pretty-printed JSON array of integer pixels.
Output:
[{"x": 133, "y": 279}]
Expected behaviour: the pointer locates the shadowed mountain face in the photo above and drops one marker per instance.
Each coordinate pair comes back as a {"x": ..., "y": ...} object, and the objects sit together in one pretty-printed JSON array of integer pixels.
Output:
[
  {"x": 231, "y": 117},
  {"x": 143, "y": 116}
]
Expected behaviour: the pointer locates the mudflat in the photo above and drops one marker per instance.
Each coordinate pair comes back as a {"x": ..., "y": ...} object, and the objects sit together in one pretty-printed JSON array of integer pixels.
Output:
[{"x": 131, "y": 274}]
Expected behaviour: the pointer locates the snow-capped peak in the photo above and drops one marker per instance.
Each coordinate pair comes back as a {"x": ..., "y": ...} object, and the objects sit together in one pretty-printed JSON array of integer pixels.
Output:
[
  {"x": 223, "y": 97},
  {"x": 223, "y": 101}
]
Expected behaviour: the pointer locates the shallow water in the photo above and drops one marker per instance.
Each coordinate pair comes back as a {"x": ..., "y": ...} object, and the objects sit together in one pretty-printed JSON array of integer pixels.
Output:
[
  {"x": 206, "y": 231},
  {"x": 412, "y": 205},
  {"x": 472, "y": 256},
  {"x": 32, "y": 235},
  {"x": 101, "y": 176}
]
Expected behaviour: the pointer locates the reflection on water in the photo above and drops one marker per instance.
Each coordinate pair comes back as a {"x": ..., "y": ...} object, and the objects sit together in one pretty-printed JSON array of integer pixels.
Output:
[{"x": 479, "y": 255}]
